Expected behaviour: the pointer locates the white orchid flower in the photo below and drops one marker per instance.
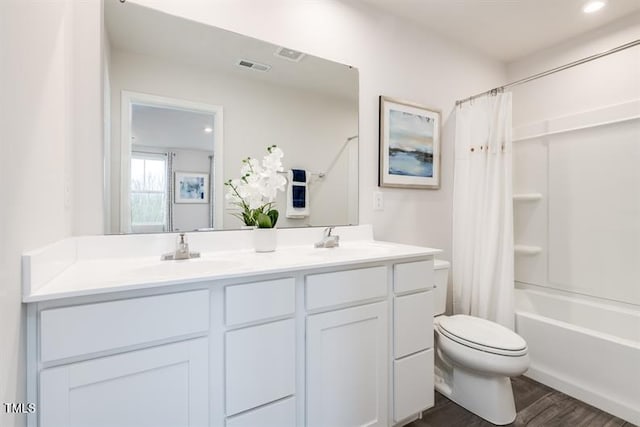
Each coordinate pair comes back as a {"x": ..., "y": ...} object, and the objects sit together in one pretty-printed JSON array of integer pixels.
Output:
[
  {"x": 272, "y": 162},
  {"x": 259, "y": 184},
  {"x": 250, "y": 166}
]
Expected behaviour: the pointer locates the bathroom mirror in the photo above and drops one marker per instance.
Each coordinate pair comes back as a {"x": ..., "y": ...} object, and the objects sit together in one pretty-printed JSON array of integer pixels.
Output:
[{"x": 185, "y": 103}]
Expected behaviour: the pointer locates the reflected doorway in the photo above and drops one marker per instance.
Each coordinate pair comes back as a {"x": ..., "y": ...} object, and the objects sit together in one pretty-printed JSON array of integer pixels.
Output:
[{"x": 171, "y": 165}]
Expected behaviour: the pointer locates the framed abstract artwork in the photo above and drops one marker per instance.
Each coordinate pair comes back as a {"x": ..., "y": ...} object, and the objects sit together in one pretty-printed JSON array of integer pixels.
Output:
[
  {"x": 409, "y": 145},
  {"x": 191, "y": 187}
]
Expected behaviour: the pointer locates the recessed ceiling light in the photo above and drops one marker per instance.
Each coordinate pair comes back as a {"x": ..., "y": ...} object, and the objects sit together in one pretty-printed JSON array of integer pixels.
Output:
[
  {"x": 208, "y": 129},
  {"x": 593, "y": 6}
]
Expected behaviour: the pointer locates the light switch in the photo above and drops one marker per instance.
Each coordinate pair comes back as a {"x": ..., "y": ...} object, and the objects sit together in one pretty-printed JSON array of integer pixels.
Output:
[{"x": 378, "y": 201}]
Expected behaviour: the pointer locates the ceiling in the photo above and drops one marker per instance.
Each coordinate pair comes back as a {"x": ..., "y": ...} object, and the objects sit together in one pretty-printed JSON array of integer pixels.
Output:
[
  {"x": 165, "y": 127},
  {"x": 506, "y": 30}
]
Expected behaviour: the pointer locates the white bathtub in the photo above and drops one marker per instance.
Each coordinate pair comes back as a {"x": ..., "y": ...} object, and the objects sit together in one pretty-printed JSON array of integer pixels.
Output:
[{"x": 583, "y": 347}]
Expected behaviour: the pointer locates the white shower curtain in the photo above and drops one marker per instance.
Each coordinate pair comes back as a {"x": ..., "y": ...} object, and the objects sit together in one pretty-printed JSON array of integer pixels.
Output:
[{"x": 483, "y": 210}]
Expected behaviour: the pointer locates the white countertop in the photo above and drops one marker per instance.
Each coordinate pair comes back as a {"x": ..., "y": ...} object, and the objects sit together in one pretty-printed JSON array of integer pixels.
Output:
[{"x": 110, "y": 274}]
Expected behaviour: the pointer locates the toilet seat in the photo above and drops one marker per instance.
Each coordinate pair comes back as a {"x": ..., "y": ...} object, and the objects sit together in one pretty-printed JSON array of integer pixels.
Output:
[{"x": 482, "y": 334}]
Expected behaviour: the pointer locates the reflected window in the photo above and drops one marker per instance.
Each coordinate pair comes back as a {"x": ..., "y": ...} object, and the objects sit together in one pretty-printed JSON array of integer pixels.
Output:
[{"x": 148, "y": 192}]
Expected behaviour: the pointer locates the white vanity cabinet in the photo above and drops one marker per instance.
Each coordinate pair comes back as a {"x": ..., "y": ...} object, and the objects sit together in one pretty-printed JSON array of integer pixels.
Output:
[{"x": 321, "y": 345}]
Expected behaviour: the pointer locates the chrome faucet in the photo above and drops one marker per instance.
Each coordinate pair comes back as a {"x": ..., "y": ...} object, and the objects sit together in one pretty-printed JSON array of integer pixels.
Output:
[
  {"x": 328, "y": 241},
  {"x": 182, "y": 250}
]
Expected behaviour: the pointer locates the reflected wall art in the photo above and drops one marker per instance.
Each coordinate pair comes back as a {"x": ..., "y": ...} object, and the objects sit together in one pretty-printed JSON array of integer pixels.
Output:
[{"x": 191, "y": 187}]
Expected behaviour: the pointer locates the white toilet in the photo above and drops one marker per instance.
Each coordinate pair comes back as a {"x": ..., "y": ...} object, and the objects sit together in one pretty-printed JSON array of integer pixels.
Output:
[{"x": 475, "y": 358}]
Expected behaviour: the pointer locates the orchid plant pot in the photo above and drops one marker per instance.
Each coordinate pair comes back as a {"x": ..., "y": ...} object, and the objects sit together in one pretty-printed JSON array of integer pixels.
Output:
[{"x": 265, "y": 239}]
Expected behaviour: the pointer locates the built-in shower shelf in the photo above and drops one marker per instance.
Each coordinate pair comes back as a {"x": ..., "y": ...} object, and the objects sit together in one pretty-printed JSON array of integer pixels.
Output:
[
  {"x": 527, "y": 250},
  {"x": 527, "y": 197}
]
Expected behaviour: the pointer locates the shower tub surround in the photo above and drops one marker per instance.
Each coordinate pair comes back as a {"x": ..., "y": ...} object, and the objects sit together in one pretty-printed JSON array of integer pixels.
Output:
[
  {"x": 300, "y": 336},
  {"x": 576, "y": 264}
]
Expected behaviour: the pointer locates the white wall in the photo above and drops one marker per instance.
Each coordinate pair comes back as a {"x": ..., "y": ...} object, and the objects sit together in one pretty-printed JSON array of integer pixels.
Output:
[
  {"x": 106, "y": 128},
  {"x": 395, "y": 59},
  {"x": 42, "y": 47},
  {"x": 88, "y": 104},
  {"x": 309, "y": 127},
  {"x": 588, "y": 221}
]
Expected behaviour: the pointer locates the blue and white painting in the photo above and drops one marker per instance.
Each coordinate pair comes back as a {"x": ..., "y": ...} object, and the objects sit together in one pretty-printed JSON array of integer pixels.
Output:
[
  {"x": 410, "y": 144},
  {"x": 191, "y": 187}
]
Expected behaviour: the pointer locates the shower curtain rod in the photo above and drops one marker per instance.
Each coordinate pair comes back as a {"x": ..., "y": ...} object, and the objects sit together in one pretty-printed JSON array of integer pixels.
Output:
[{"x": 551, "y": 71}]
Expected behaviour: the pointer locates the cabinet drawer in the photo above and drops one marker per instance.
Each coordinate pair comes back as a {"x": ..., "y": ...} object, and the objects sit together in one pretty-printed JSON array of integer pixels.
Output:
[
  {"x": 278, "y": 414},
  {"x": 412, "y": 323},
  {"x": 260, "y": 365},
  {"x": 90, "y": 328},
  {"x": 252, "y": 302},
  {"x": 412, "y": 385},
  {"x": 344, "y": 287},
  {"x": 413, "y": 276}
]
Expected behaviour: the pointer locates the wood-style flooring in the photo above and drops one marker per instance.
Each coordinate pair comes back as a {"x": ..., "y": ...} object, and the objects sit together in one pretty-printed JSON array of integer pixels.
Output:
[{"x": 536, "y": 404}]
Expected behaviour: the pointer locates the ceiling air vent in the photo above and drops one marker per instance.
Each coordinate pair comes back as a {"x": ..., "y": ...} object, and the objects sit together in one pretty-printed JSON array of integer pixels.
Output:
[
  {"x": 245, "y": 63},
  {"x": 289, "y": 54}
]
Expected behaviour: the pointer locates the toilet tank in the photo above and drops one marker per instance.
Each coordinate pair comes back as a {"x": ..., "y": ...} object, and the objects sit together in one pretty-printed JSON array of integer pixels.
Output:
[{"x": 441, "y": 270}]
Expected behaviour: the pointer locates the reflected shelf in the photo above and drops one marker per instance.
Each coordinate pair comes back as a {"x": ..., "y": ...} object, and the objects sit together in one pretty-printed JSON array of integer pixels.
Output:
[
  {"x": 527, "y": 250},
  {"x": 527, "y": 197}
]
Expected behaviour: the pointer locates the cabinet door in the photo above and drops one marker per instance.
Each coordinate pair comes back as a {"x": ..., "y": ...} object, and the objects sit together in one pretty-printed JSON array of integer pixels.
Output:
[
  {"x": 260, "y": 365},
  {"x": 160, "y": 386},
  {"x": 347, "y": 370}
]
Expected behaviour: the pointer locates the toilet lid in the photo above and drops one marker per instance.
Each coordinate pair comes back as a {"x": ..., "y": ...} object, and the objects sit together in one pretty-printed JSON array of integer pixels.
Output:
[{"x": 482, "y": 333}]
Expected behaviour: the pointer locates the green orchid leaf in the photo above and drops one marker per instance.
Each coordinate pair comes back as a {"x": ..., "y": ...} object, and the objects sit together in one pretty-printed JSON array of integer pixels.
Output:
[
  {"x": 248, "y": 218},
  {"x": 263, "y": 221},
  {"x": 273, "y": 215}
]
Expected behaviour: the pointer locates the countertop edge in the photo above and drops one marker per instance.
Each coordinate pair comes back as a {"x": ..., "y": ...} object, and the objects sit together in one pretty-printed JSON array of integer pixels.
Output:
[{"x": 43, "y": 295}]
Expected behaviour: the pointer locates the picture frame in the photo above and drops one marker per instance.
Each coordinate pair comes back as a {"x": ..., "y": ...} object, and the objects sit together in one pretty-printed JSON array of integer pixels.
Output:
[
  {"x": 409, "y": 154},
  {"x": 191, "y": 187}
]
